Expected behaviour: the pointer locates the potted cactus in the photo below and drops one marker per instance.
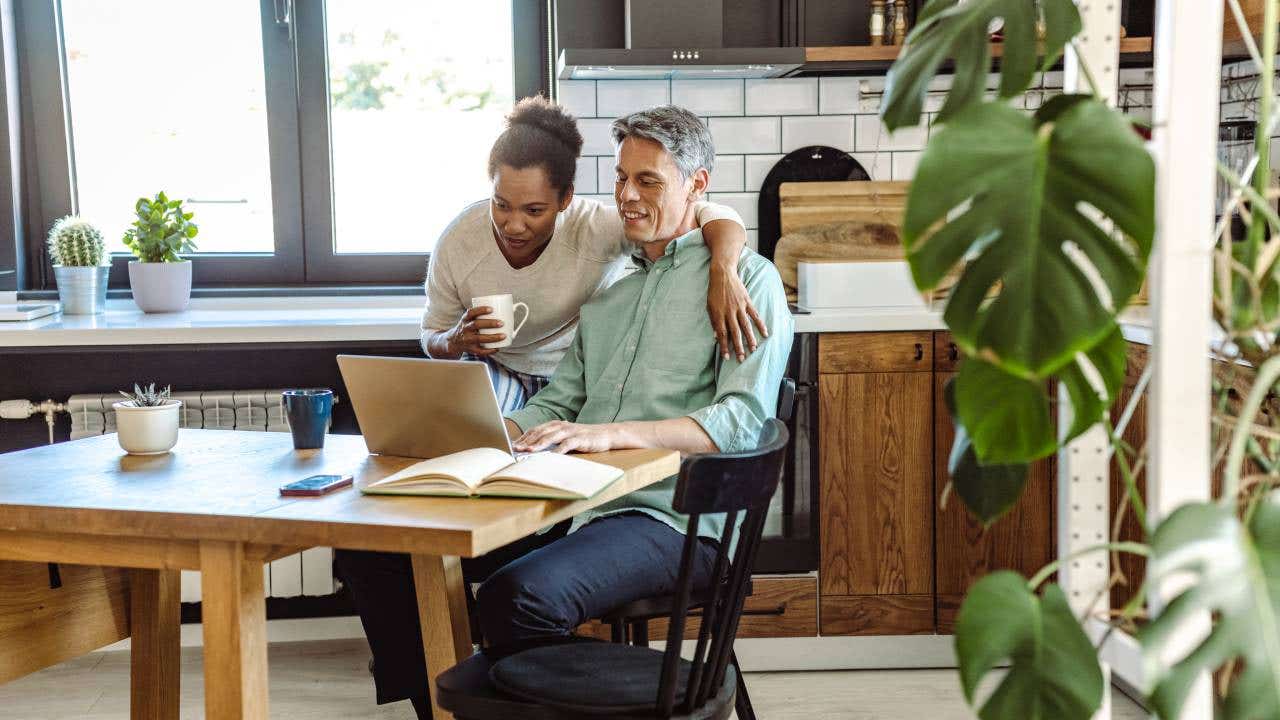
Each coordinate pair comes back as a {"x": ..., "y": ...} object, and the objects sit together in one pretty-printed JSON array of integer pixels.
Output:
[
  {"x": 147, "y": 420},
  {"x": 78, "y": 254},
  {"x": 160, "y": 278}
]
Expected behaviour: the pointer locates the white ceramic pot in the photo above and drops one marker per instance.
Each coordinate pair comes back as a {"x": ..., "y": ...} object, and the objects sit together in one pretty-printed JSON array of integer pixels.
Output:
[
  {"x": 147, "y": 430},
  {"x": 161, "y": 287}
]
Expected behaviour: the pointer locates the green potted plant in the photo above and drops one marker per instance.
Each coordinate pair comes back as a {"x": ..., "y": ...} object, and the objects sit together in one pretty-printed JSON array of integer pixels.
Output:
[
  {"x": 147, "y": 420},
  {"x": 1016, "y": 204},
  {"x": 160, "y": 278},
  {"x": 78, "y": 252}
]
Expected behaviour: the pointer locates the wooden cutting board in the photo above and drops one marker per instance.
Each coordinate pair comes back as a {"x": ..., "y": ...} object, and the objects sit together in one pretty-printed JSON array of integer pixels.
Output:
[{"x": 803, "y": 205}]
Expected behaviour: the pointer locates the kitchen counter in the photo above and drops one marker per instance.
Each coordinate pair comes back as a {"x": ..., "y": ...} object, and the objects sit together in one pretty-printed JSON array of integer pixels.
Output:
[{"x": 353, "y": 319}]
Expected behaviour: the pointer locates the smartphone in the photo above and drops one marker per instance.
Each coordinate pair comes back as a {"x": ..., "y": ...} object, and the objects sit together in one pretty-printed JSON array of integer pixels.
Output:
[{"x": 316, "y": 485}]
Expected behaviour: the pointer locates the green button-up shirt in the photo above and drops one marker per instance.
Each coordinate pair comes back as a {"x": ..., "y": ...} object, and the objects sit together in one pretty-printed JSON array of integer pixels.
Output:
[{"x": 645, "y": 350}]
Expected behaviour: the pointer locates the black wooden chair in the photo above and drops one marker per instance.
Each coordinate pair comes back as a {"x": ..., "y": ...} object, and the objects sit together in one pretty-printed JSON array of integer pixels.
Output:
[
  {"x": 590, "y": 678},
  {"x": 629, "y": 623}
]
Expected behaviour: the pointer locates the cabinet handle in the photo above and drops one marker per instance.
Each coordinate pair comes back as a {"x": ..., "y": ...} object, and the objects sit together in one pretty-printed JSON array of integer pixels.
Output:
[
  {"x": 953, "y": 352},
  {"x": 919, "y": 351}
]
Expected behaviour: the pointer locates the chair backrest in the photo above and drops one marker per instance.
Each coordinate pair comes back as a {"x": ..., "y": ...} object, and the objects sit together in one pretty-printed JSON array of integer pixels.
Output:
[
  {"x": 735, "y": 484},
  {"x": 786, "y": 400}
]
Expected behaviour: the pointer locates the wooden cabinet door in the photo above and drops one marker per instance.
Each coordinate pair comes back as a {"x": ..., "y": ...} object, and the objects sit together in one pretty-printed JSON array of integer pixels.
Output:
[
  {"x": 1022, "y": 540},
  {"x": 876, "y": 480}
]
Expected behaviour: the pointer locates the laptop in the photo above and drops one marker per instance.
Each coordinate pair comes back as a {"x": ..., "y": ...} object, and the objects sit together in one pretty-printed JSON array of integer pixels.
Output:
[{"x": 422, "y": 408}]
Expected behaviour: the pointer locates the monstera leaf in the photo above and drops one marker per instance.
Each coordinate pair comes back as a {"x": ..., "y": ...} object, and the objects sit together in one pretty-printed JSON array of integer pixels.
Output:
[
  {"x": 1053, "y": 671},
  {"x": 1008, "y": 419},
  {"x": 949, "y": 30},
  {"x": 1028, "y": 201},
  {"x": 989, "y": 491},
  {"x": 1236, "y": 578}
]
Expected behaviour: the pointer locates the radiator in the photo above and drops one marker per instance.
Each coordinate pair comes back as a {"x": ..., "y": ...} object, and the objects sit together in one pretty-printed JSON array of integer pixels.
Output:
[{"x": 307, "y": 573}]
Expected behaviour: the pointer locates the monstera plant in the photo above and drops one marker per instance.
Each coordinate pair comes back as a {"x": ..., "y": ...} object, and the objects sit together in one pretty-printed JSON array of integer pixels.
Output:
[{"x": 1049, "y": 219}]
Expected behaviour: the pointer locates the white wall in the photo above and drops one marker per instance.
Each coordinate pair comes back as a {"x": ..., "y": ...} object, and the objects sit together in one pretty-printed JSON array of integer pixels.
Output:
[{"x": 755, "y": 122}]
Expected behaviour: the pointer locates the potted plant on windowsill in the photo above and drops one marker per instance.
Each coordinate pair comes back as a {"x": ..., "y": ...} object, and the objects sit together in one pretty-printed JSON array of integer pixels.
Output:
[
  {"x": 147, "y": 421},
  {"x": 77, "y": 251},
  {"x": 160, "y": 278}
]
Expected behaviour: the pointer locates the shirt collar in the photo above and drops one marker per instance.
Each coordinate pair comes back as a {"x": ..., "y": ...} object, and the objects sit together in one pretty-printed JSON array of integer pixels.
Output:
[{"x": 676, "y": 250}]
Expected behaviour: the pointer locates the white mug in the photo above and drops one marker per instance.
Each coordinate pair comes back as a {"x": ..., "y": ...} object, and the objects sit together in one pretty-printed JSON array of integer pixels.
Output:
[{"x": 504, "y": 309}]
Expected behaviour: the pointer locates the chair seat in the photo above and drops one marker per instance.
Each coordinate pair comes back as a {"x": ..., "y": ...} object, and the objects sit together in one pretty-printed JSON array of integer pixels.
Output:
[
  {"x": 468, "y": 691},
  {"x": 465, "y": 691},
  {"x": 600, "y": 679}
]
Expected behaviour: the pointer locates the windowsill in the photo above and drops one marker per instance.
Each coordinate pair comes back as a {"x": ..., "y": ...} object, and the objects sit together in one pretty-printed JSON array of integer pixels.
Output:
[
  {"x": 230, "y": 319},
  {"x": 283, "y": 291}
]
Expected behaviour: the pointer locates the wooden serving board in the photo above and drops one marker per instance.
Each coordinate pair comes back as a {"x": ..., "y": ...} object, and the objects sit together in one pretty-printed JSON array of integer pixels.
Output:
[{"x": 804, "y": 205}]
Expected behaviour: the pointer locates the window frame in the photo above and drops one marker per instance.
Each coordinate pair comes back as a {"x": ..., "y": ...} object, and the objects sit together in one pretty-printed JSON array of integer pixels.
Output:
[{"x": 295, "y": 66}]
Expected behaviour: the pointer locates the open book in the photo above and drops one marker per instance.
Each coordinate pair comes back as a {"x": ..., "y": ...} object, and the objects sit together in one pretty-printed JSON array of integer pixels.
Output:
[{"x": 488, "y": 471}]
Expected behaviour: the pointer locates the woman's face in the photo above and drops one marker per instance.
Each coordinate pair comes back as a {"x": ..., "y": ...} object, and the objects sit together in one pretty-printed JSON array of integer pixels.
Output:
[{"x": 524, "y": 209}]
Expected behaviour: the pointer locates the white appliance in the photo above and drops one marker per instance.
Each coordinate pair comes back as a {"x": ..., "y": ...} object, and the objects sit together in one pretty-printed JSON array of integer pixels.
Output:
[{"x": 855, "y": 284}]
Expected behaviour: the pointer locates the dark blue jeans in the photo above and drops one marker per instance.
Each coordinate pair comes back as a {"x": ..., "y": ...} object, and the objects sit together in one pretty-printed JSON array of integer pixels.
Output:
[{"x": 533, "y": 590}]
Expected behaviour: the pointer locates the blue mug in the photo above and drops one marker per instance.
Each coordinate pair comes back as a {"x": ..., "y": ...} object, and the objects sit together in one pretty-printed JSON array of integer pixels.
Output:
[{"x": 309, "y": 412}]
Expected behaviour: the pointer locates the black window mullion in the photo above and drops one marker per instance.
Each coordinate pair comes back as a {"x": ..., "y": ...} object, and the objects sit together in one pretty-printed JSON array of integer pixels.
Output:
[
  {"x": 46, "y": 130},
  {"x": 323, "y": 263}
]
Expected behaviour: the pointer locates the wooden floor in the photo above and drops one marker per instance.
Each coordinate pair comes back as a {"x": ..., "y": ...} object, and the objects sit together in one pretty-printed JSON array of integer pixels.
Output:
[{"x": 329, "y": 680}]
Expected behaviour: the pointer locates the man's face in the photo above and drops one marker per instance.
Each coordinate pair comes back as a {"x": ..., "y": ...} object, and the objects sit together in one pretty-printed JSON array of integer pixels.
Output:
[{"x": 653, "y": 199}]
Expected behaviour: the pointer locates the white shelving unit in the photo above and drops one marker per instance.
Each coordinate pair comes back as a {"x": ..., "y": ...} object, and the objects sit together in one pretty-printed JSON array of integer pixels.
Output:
[{"x": 1188, "y": 52}]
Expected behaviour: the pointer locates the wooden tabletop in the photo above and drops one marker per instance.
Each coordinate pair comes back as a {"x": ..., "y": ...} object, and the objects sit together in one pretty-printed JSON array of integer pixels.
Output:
[{"x": 224, "y": 485}]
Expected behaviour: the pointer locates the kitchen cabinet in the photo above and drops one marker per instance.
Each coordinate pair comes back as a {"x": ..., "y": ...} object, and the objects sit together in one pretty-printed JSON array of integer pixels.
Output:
[
  {"x": 1238, "y": 379},
  {"x": 876, "y": 482},
  {"x": 1023, "y": 540},
  {"x": 893, "y": 562}
]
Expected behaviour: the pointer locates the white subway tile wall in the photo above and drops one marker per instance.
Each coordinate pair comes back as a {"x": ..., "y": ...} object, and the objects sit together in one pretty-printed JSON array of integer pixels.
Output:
[
  {"x": 619, "y": 97},
  {"x": 831, "y": 130},
  {"x": 579, "y": 97},
  {"x": 782, "y": 97},
  {"x": 585, "y": 180},
  {"x": 753, "y": 121},
  {"x": 744, "y": 135},
  {"x": 709, "y": 97},
  {"x": 837, "y": 95},
  {"x": 728, "y": 173}
]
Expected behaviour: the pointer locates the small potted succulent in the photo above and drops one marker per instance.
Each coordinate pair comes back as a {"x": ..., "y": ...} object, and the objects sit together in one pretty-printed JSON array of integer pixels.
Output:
[
  {"x": 78, "y": 253},
  {"x": 147, "y": 421},
  {"x": 160, "y": 278}
]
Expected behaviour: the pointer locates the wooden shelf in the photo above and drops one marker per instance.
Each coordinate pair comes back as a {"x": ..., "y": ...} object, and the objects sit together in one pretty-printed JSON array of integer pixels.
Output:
[{"x": 883, "y": 53}]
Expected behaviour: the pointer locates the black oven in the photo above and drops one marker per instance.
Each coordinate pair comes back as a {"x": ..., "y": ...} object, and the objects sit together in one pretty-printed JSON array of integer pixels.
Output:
[{"x": 790, "y": 542}]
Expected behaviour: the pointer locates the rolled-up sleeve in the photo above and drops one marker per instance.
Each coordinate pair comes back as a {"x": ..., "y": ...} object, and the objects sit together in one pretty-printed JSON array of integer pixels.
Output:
[
  {"x": 747, "y": 391},
  {"x": 563, "y": 396}
]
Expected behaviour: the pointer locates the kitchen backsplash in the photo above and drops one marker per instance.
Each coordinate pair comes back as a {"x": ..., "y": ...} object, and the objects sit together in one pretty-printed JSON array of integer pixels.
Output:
[{"x": 755, "y": 122}]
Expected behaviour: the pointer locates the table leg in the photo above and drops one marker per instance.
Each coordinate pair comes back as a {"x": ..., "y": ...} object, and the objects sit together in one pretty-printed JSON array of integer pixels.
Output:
[
  {"x": 442, "y": 611},
  {"x": 155, "y": 621},
  {"x": 234, "y": 613}
]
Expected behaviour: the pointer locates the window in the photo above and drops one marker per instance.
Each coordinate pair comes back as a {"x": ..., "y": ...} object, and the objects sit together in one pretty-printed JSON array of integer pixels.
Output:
[
  {"x": 414, "y": 106},
  {"x": 151, "y": 113},
  {"x": 317, "y": 142}
]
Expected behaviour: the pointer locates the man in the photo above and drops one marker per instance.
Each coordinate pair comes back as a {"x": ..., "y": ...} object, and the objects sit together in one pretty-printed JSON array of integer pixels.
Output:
[{"x": 642, "y": 371}]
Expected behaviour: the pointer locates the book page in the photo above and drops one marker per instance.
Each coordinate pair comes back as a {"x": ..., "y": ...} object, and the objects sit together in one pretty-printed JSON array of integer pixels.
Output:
[
  {"x": 548, "y": 474},
  {"x": 468, "y": 467}
]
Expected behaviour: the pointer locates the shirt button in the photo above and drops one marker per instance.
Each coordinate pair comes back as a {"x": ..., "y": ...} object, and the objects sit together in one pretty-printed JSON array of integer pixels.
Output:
[{"x": 619, "y": 387}]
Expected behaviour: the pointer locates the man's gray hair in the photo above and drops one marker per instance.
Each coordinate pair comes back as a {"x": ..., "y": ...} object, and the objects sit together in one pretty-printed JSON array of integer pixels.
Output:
[{"x": 684, "y": 136}]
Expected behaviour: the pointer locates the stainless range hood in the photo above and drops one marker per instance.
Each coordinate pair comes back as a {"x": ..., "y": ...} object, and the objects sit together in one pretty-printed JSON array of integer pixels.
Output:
[
  {"x": 677, "y": 39},
  {"x": 678, "y": 64}
]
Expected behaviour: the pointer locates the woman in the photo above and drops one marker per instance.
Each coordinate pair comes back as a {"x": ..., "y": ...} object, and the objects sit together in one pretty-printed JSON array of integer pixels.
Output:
[
  {"x": 534, "y": 240},
  {"x": 553, "y": 251}
]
